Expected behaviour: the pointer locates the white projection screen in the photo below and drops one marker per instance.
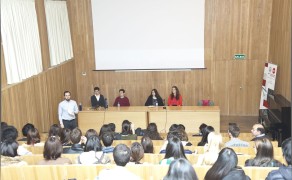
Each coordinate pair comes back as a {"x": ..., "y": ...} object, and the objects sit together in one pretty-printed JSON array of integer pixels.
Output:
[{"x": 148, "y": 34}]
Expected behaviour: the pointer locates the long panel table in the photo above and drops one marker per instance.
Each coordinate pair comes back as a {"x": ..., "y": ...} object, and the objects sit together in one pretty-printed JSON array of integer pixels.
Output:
[{"x": 190, "y": 116}]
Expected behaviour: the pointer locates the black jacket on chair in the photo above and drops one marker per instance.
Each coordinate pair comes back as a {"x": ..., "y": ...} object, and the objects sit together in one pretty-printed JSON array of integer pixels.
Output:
[{"x": 95, "y": 103}]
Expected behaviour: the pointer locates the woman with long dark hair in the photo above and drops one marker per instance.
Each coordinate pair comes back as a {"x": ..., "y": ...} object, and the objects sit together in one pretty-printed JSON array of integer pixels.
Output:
[
  {"x": 264, "y": 155},
  {"x": 205, "y": 133},
  {"x": 175, "y": 98},
  {"x": 152, "y": 132},
  {"x": 154, "y": 99},
  {"x": 174, "y": 150},
  {"x": 128, "y": 131},
  {"x": 181, "y": 169},
  {"x": 226, "y": 167}
]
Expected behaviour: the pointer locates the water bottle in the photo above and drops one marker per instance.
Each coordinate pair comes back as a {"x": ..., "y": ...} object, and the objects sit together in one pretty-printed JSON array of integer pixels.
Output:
[
  {"x": 80, "y": 107},
  {"x": 119, "y": 104},
  {"x": 156, "y": 104}
]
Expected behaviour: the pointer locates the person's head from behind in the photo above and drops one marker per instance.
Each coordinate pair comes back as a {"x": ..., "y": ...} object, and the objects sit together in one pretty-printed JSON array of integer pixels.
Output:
[
  {"x": 181, "y": 169},
  {"x": 155, "y": 93},
  {"x": 93, "y": 144},
  {"x": 257, "y": 130},
  {"x": 173, "y": 127},
  {"x": 286, "y": 149},
  {"x": 112, "y": 127},
  {"x": 55, "y": 130},
  {"x": 264, "y": 149},
  {"x": 227, "y": 160},
  {"x": 174, "y": 149},
  {"x": 75, "y": 135},
  {"x": 107, "y": 139},
  {"x": 201, "y": 127},
  {"x": 181, "y": 126},
  {"x": 205, "y": 133},
  {"x": 182, "y": 135},
  {"x": 25, "y": 128},
  {"x": 53, "y": 148},
  {"x": 9, "y": 148},
  {"x": 137, "y": 152},
  {"x": 126, "y": 127},
  {"x": 147, "y": 144},
  {"x": 67, "y": 95},
  {"x": 122, "y": 93},
  {"x": 90, "y": 132},
  {"x": 121, "y": 154},
  {"x": 152, "y": 127},
  {"x": 172, "y": 134},
  {"x": 214, "y": 142},
  {"x": 96, "y": 90},
  {"x": 65, "y": 136},
  {"x": 233, "y": 131},
  {"x": 9, "y": 132},
  {"x": 104, "y": 128},
  {"x": 33, "y": 136}
]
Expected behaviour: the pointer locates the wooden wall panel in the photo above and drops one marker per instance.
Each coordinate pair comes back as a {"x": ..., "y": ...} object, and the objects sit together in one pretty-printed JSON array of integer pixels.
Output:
[
  {"x": 231, "y": 26},
  {"x": 3, "y": 70},
  {"x": 36, "y": 99},
  {"x": 280, "y": 46}
]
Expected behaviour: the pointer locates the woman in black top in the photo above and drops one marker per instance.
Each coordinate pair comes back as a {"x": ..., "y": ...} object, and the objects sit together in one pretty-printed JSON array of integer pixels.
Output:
[{"x": 154, "y": 99}]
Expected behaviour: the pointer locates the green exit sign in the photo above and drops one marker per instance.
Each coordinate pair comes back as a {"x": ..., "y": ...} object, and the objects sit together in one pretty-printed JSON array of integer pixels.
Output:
[{"x": 239, "y": 56}]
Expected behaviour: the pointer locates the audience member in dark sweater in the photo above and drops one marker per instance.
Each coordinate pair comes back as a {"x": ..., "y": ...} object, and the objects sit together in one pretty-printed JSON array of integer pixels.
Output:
[
  {"x": 147, "y": 144},
  {"x": 225, "y": 167},
  {"x": 122, "y": 100},
  {"x": 25, "y": 130},
  {"x": 65, "y": 137},
  {"x": 152, "y": 132},
  {"x": 258, "y": 131},
  {"x": 107, "y": 139},
  {"x": 181, "y": 169},
  {"x": 127, "y": 131},
  {"x": 205, "y": 134},
  {"x": 77, "y": 139},
  {"x": 284, "y": 172},
  {"x": 97, "y": 100},
  {"x": 264, "y": 156}
]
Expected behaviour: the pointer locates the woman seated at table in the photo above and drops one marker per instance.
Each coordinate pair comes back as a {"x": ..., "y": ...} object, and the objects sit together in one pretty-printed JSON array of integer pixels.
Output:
[
  {"x": 127, "y": 131},
  {"x": 154, "y": 99},
  {"x": 174, "y": 99}
]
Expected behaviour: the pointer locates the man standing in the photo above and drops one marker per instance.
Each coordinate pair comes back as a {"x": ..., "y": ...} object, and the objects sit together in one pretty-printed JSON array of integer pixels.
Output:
[
  {"x": 122, "y": 100},
  {"x": 67, "y": 110},
  {"x": 97, "y": 100},
  {"x": 258, "y": 131}
]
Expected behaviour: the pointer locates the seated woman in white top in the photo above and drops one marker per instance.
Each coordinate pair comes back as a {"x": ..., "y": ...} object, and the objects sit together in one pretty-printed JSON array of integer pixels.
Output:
[
  {"x": 93, "y": 153},
  {"x": 212, "y": 149}
]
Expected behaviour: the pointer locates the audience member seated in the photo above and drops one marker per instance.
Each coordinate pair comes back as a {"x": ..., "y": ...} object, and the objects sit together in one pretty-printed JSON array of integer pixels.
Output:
[
  {"x": 107, "y": 139},
  {"x": 284, "y": 172},
  {"x": 33, "y": 138},
  {"x": 113, "y": 129},
  {"x": 137, "y": 153},
  {"x": 147, "y": 144},
  {"x": 181, "y": 135},
  {"x": 174, "y": 99},
  {"x": 11, "y": 133},
  {"x": 264, "y": 154},
  {"x": 173, "y": 127},
  {"x": 152, "y": 132},
  {"x": 233, "y": 133},
  {"x": 104, "y": 128},
  {"x": 174, "y": 150},
  {"x": 127, "y": 131},
  {"x": 201, "y": 127},
  {"x": 52, "y": 152},
  {"x": 77, "y": 139},
  {"x": 24, "y": 130},
  {"x": 93, "y": 152},
  {"x": 9, "y": 154},
  {"x": 205, "y": 134},
  {"x": 90, "y": 132},
  {"x": 181, "y": 169},
  {"x": 65, "y": 137},
  {"x": 258, "y": 131},
  {"x": 122, "y": 156},
  {"x": 122, "y": 100},
  {"x": 225, "y": 167},
  {"x": 154, "y": 99},
  {"x": 212, "y": 149},
  {"x": 55, "y": 130}
]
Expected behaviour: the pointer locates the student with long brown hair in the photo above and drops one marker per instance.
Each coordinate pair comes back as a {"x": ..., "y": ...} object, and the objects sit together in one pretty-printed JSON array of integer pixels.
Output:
[{"x": 175, "y": 98}]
